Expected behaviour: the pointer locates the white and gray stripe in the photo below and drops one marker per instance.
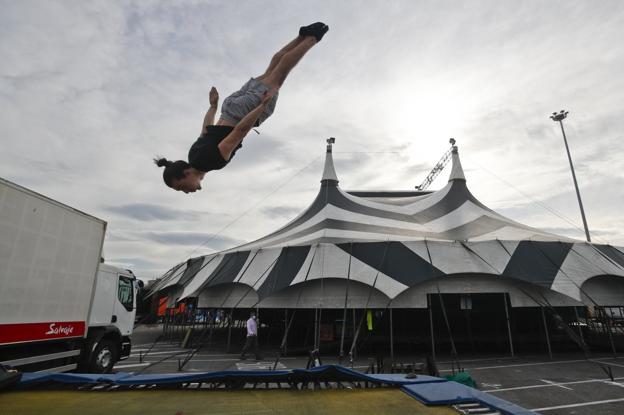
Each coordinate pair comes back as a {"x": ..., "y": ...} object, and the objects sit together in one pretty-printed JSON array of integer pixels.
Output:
[{"x": 393, "y": 244}]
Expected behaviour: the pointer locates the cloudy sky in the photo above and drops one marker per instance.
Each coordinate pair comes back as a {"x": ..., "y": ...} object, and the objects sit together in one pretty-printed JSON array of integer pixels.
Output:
[{"x": 91, "y": 91}]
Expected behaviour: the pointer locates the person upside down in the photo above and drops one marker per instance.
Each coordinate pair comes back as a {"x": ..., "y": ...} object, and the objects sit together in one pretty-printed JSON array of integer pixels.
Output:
[{"x": 246, "y": 108}]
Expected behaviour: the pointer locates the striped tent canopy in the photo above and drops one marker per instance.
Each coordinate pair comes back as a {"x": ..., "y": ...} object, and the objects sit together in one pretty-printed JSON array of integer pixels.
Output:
[{"x": 389, "y": 249}]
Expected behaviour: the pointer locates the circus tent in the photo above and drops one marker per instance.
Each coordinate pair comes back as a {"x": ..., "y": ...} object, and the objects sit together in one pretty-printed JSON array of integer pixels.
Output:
[{"x": 392, "y": 249}]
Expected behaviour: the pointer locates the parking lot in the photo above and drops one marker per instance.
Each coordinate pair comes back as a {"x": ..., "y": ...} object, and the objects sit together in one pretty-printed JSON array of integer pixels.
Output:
[{"x": 567, "y": 384}]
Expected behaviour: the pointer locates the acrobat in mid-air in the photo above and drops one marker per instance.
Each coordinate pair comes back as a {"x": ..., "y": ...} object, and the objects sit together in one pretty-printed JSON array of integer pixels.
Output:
[{"x": 244, "y": 109}]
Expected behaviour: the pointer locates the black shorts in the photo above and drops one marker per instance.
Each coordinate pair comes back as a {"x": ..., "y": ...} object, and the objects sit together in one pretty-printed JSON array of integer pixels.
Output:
[{"x": 204, "y": 154}]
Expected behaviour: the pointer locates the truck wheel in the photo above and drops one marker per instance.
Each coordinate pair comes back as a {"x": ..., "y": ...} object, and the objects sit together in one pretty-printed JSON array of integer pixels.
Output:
[{"x": 104, "y": 357}]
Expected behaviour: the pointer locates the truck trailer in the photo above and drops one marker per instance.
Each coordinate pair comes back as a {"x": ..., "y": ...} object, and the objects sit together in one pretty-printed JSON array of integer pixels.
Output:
[{"x": 61, "y": 307}]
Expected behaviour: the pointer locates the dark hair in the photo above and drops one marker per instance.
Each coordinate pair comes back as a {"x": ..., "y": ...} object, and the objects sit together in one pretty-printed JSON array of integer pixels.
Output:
[{"x": 173, "y": 169}]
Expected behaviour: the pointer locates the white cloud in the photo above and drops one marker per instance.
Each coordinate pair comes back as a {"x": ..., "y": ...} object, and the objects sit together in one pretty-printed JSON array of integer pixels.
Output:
[{"x": 91, "y": 91}]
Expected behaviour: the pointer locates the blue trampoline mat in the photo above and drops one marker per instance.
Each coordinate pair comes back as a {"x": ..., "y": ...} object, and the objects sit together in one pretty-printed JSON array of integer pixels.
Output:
[
  {"x": 427, "y": 389},
  {"x": 451, "y": 393},
  {"x": 123, "y": 378}
]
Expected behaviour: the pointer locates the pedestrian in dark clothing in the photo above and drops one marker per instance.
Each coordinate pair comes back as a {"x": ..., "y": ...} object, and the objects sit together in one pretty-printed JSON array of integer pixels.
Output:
[{"x": 252, "y": 337}]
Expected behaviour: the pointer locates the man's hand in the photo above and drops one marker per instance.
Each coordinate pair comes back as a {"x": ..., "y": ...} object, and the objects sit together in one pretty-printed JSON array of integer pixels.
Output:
[{"x": 213, "y": 96}]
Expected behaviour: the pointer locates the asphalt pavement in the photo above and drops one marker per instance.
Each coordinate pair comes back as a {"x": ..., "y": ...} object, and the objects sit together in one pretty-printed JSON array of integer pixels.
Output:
[{"x": 568, "y": 384}]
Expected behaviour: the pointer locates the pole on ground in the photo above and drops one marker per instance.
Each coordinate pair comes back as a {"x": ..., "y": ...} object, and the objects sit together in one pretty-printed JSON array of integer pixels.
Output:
[
  {"x": 342, "y": 335},
  {"x": 344, "y": 311},
  {"x": 578, "y": 324},
  {"x": 391, "y": 338},
  {"x": 230, "y": 321},
  {"x": 546, "y": 331},
  {"x": 448, "y": 326},
  {"x": 320, "y": 319},
  {"x": 354, "y": 351},
  {"x": 430, "y": 302},
  {"x": 285, "y": 330},
  {"x": 511, "y": 349},
  {"x": 608, "y": 324},
  {"x": 315, "y": 327},
  {"x": 469, "y": 327}
]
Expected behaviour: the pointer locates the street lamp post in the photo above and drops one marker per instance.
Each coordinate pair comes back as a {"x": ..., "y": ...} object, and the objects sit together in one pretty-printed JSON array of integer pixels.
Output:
[{"x": 559, "y": 117}]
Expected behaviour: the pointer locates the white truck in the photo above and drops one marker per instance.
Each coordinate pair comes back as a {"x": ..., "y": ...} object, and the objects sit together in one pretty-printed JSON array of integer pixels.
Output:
[{"x": 61, "y": 307}]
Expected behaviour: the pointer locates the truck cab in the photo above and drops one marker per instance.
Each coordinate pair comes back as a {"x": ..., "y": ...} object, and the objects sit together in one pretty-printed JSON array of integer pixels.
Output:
[{"x": 111, "y": 319}]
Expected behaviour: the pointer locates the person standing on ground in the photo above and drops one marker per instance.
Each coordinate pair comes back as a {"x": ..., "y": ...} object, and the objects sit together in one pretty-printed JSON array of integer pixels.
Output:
[
  {"x": 252, "y": 337},
  {"x": 247, "y": 108}
]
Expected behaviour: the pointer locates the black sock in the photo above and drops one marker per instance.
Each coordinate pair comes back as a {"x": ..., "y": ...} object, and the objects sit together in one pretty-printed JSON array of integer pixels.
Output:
[
  {"x": 311, "y": 29},
  {"x": 319, "y": 31}
]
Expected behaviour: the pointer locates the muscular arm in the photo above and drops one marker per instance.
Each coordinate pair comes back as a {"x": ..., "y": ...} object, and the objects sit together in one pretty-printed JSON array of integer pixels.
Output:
[
  {"x": 210, "y": 114},
  {"x": 233, "y": 139},
  {"x": 209, "y": 118}
]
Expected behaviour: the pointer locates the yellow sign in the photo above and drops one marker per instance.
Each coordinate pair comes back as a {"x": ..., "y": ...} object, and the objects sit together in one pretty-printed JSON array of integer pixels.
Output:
[{"x": 369, "y": 319}]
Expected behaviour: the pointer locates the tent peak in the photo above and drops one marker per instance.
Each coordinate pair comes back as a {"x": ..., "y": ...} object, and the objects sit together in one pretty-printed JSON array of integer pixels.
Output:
[
  {"x": 329, "y": 173},
  {"x": 457, "y": 172}
]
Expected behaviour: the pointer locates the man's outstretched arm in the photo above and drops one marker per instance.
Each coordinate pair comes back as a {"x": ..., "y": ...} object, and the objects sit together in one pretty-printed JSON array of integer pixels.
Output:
[
  {"x": 210, "y": 114},
  {"x": 233, "y": 139}
]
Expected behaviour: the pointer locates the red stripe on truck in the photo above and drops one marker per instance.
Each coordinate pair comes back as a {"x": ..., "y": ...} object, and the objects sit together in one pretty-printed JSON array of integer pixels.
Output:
[{"x": 27, "y": 332}]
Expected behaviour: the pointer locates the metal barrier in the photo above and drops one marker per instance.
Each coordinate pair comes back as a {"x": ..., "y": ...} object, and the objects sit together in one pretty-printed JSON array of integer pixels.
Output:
[{"x": 189, "y": 327}]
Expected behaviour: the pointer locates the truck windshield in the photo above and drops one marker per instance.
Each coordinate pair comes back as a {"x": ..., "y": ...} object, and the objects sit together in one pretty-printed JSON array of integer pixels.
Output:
[{"x": 124, "y": 292}]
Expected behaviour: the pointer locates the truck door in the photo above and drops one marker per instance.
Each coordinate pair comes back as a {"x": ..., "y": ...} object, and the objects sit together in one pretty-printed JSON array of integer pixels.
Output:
[{"x": 125, "y": 307}]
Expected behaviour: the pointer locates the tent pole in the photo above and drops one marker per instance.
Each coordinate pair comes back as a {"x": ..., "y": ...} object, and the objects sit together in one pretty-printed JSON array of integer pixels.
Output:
[
  {"x": 344, "y": 311},
  {"x": 258, "y": 322},
  {"x": 356, "y": 334},
  {"x": 319, "y": 335},
  {"x": 391, "y": 338},
  {"x": 596, "y": 306},
  {"x": 448, "y": 326},
  {"x": 578, "y": 323},
  {"x": 342, "y": 335},
  {"x": 608, "y": 324},
  {"x": 546, "y": 331},
  {"x": 354, "y": 346},
  {"x": 431, "y": 324},
  {"x": 315, "y": 327},
  {"x": 231, "y": 320},
  {"x": 320, "y": 319},
  {"x": 511, "y": 350},
  {"x": 285, "y": 331},
  {"x": 469, "y": 326}
]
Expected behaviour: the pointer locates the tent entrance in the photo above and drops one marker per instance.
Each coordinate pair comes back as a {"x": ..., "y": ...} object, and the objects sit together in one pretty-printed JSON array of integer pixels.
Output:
[{"x": 476, "y": 322}]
